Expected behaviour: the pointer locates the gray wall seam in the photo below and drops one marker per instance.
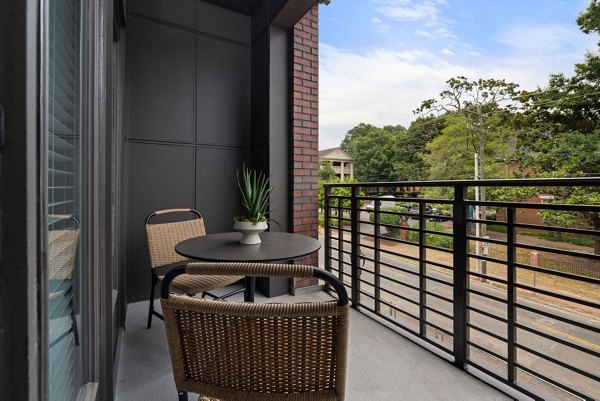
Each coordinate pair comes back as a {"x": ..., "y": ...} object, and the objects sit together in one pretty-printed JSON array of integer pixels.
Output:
[{"x": 189, "y": 30}]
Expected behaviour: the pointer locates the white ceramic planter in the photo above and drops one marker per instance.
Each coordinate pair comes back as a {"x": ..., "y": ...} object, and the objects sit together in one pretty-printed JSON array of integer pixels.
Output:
[{"x": 250, "y": 231}]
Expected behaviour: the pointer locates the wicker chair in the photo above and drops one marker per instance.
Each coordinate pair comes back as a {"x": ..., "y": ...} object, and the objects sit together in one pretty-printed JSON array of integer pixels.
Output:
[
  {"x": 233, "y": 351},
  {"x": 62, "y": 254},
  {"x": 162, "y": 239}
]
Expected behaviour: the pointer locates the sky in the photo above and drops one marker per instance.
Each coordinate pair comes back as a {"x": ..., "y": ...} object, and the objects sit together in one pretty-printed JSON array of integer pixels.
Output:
[{"x": 379, "y": 59}]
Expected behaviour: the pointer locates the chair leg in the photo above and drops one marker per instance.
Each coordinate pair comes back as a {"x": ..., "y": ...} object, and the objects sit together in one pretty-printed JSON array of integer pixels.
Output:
[
  {"x": 151, "y": 307},
  {"x": 74, "y": 326},
  {"x": 183, "y": 396}
]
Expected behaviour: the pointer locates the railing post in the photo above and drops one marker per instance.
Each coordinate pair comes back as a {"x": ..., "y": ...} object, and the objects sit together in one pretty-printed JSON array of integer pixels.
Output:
[
  {"x": 422, "y": 279},
  {"x": 377, "y": 257},
  {"x": 511, "y": 313},
  {"x": 327, "y": 223},
  {"x": 354, "y": 240},
  {"x": 460, "y": 249}
]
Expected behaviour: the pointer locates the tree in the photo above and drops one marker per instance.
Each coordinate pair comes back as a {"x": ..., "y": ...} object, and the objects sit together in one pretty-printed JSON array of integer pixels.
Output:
[
  {"x": 375, "y": 151},
  {"x": 562, "y": 134},
  {"x": 391, "y": 153},
  {"x": 326, "y": 171}
]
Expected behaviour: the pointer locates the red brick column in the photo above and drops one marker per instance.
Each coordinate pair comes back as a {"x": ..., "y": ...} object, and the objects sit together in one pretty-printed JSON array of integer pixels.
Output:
[{"x": 305, "y": 141}]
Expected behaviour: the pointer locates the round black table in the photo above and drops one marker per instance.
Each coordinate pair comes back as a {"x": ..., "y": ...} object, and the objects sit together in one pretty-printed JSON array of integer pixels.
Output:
[{"x": 226, "y": 247}]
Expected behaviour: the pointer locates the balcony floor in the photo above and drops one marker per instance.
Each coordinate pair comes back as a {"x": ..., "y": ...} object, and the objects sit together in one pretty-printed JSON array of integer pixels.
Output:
[{"x": 382, "y": 365}]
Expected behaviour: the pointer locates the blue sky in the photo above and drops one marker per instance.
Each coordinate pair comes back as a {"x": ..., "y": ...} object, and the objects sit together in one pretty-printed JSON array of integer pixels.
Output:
[{"x": 380, "y": 58}]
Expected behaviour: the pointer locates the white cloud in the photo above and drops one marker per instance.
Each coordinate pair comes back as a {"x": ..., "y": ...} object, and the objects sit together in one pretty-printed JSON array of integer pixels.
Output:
[
  {"x": 544, "y": 39},
  {"x": 447, "y": 52},
  {"x": 379, "y": 87},
  {"x": 381, "y": 27},
  {"x": 383, "y": 86},
  {"x": 425, "y": 33}
]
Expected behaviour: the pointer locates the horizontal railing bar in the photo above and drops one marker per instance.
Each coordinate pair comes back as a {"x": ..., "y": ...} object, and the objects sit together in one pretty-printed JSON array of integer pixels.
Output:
[
  {"x": 555, "y": 383},
  {"x": 340, "y": 261},
  {"x": 558, "y": 251},
  {"x": 437, "y": 248},
  {"x": 439, "y": 264},
  {"x": 504, "y": 380},
  {"x": 559, "y": 273},
  {"x": 557, "y": 317},
  {"x": 381, "y": 276},
  {"x": 491, "y": 222},
  {"x": 486, "y": 332},
  {"x": 540, "y": 206},
  {"x": 487, "y": 314},
  {"x": 407, "y": 329},
  {"x": 438, "y": 296},
  {"x": 524, "y": 182},
  {"x": 398, "y": 268},
  {"x": 402, "y": 297},
  {"x": 435, "y": 326},
  {"x": 487, "y": 277},
  {"x": 558, "y": 340},
  {"x": 439, "y": 312},
  {"x": 487, "y": 258},
  {"x": 390, "y": 253},
  {"x": 438, "y": 280},
  {"x": 405, "y": 200},
  {"x": 579, "y": 231},
  {"x": 397, "y": 241},
  {"x": 487, "y": 351},
  {"x": 490, "y": 240},
  {"x": 558, "y": 295},
  {"x": 438, "y": 233},
  {"x": 557, "y": 362},
  {"x": 394, "y": 307},
  {"x": 483, "y": 294}
]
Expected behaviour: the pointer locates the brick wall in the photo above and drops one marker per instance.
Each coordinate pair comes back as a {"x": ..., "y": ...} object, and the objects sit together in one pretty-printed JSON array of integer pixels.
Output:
[{"x": 305, "y": 131}]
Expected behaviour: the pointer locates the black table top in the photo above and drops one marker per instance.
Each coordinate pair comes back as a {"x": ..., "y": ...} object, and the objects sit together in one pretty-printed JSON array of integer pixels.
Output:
[{"x": 226, "y": 247}]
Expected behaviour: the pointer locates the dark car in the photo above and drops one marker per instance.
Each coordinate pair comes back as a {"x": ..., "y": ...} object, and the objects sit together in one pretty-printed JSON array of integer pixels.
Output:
[{"x": 439, "y": 216}]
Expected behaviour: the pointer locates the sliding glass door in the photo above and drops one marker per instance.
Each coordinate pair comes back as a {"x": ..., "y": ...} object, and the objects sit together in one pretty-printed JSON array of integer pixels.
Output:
[{"x": 66, "y": 141}]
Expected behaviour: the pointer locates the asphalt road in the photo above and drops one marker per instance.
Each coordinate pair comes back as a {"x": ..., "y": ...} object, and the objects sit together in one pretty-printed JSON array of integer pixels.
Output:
[{"x": 573, "y": 334}]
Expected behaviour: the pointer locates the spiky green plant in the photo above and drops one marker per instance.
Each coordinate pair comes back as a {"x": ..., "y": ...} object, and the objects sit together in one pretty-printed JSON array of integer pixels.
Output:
[{"x": 255, "y": 190}]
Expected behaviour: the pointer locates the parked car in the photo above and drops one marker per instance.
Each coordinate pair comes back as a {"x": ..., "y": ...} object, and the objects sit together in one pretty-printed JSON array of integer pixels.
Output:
[
  {"x": 382, "y": 203},
  {"x": 439, "y": 215}
]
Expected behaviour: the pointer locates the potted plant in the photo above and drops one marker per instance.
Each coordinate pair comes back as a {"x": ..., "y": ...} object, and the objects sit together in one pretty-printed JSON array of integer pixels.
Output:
[{"x": 255, "y": 190}]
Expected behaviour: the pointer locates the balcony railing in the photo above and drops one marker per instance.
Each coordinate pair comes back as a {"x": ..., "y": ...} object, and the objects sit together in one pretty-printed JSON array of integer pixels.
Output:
[{"x": 516, "y": 309}]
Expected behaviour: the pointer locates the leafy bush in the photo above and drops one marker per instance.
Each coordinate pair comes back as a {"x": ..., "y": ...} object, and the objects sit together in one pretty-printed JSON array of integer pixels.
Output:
[
  {"x": 391, "y": 219},
  {"x": 440, "y": 241}
]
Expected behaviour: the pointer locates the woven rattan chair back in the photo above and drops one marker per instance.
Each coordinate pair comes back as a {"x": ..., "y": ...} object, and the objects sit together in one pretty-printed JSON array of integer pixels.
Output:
[
  {"x": 62, "y": 253},
  {"x": 268, "y": 352},
  {"x": 163, "y": 237},
  {"x": 62, "y": 249}
]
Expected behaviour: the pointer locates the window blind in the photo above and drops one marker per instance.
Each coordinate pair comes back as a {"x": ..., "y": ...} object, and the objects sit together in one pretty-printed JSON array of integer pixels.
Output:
[{"x": 64, "y": 199}]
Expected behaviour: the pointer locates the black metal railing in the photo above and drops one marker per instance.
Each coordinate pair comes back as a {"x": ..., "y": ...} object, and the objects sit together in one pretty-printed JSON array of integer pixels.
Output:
[{"x": 484, "y": 302}]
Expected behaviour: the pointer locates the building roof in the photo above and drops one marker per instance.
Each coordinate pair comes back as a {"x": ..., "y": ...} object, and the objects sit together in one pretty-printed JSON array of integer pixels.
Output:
[{"x": 334, "y": 154}]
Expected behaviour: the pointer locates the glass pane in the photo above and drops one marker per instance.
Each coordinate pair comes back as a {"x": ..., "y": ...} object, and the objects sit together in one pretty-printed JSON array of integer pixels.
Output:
[{"x": 64, "y": 199}]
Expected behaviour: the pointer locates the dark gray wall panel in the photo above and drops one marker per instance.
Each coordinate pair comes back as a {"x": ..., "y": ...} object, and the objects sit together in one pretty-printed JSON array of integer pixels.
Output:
[
  {"x": 160, "y": 177},
  {"x": 223, "y": 93},
  {"x": 260, "y": 90},
  {"x": 217, "y": 193},
  {"x": 223, "y": 23},
  {"x": 279, "y": 125},
  {"x": 180, "y": 12},
  {"x": 161, "y": 73}
]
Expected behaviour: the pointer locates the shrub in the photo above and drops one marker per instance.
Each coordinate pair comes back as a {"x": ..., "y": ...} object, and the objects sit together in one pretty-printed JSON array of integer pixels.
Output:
[
  {"x": 391, "y": 219},
  {"x": 440, "y": 241}
]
